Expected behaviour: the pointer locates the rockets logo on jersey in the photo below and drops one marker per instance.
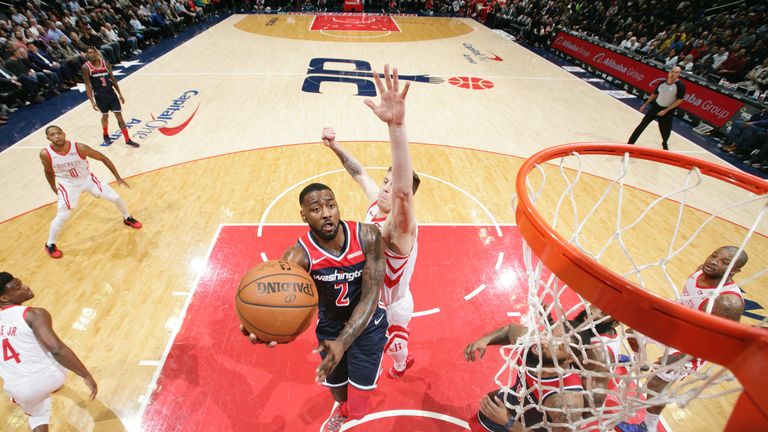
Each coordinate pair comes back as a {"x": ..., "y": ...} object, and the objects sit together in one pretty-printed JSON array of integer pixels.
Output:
[{"x": 339, "y": 279}]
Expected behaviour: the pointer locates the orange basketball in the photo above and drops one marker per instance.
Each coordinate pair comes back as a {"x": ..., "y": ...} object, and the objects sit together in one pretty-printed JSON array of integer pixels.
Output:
[{"x": 276, "y": 301}]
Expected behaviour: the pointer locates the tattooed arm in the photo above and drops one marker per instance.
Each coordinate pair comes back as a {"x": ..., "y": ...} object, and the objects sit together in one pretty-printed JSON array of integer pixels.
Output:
[{"x": 353, "y": 167}]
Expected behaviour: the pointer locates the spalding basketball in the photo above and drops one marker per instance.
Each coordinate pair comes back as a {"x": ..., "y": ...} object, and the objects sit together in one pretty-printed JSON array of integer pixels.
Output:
[{"x": 276, "y": 301}]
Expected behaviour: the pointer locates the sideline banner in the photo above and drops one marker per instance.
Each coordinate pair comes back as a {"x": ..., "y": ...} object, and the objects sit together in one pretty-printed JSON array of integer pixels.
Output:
[{"x": 709, "y": 105}]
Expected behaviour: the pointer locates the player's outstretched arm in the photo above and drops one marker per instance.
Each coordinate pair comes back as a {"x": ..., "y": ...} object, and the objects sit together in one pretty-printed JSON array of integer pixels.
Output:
[
  {"x": 99, "y": 156},
  {"x": 50, "y": 176},
  {"x": 391, "y": 110},
  {"x": 353, "y": 167},
  {"x": 502, "y": 336},
  {"x": 40, "y": 322}
]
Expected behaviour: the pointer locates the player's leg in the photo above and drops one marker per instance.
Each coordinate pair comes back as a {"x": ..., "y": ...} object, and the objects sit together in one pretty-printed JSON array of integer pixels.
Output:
[
  {"x": 364, "y": 362},
  {"x": 102, "y": 190},
  {"x": 655, "y": 386},
  {"x": 647, "y": 119},
  {"x": 104, "y": 110},
  {"x": 67, "y": 198},
  {"x": 337, "y": 381},
  {"x": 123, "y": 127},
  {"x": 665, "y": 127},
  {"x": 34, "y": 397},
  {"x": 399, "y": 316}
]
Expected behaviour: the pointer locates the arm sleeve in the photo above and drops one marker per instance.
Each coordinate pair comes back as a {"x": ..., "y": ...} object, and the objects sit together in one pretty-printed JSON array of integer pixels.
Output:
[{"x": 680, "y": 90}]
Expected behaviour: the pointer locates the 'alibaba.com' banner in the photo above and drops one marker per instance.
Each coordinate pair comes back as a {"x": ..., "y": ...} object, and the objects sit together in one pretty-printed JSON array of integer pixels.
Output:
[{"x": 707, "y": 104}]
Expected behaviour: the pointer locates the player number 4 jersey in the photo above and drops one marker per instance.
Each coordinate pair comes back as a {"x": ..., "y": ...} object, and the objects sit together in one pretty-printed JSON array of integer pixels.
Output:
[
  {"x": 21, "y": 357},
  {"x": 399, "y": 268}
]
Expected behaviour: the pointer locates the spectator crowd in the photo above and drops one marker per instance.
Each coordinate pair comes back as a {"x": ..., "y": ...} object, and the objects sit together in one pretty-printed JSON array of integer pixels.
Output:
[{"x": 42, "y": 44}]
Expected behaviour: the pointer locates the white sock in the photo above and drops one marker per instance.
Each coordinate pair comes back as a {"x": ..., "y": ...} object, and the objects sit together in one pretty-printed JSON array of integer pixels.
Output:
[
  {"x": 651, "y": 421},
  {"x": 57, "y": 224}
]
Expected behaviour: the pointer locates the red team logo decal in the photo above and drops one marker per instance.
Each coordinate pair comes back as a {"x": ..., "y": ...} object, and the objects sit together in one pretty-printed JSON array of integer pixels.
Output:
[{"x": 471, "y": 83}]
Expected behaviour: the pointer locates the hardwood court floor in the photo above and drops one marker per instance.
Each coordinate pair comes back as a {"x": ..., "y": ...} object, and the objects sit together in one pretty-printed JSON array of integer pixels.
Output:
[{"x": 118, "y": 296}]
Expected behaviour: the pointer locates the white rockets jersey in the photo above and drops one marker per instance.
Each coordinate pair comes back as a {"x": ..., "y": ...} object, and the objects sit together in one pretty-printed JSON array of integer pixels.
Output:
[
  {"x": 21, "y": 356},
  {"x": 399, "y": 268},
  {"x": 696, "y": 296},
  {"x": 71, "y": 167}
]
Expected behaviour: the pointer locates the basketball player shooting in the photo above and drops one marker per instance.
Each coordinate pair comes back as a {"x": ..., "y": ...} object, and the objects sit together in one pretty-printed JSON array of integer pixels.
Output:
[
  {"x": 392, "y": 210},
  {"x": 698, "y": 291},
  {"x": 34, "y": 358},
  {"x": 346, "y": 261}
]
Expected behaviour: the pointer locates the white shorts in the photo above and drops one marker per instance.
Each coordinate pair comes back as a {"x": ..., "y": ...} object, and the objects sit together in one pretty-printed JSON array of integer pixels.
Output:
[
  {"x": 400, "y": 312},
  {"x": 69, "y": 193},
  {"x": 34, "y": 395}
]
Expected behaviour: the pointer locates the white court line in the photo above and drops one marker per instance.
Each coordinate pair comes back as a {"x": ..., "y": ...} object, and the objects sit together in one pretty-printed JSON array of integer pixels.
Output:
[
  {"x": 426, "y": 312},
  {"x": 514, "y": 314},
  {"x": 26, "y": 147},
  {"x": 406, "y": 413},
  {"x": 498, "y": 262},
  {"x": 180, "y": 293},
  {"x": 149, "y": 363},
  {"x": 281, "y": 194},
  {"x": 144, "y": 401},
  {"x": 475, "y": 292},
  {"x": 513, "y": 77},
  {"x": 264, "y": 257}
]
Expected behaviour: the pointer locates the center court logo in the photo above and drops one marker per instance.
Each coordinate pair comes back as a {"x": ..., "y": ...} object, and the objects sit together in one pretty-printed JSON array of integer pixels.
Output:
[{"x": 164, "y": 122}]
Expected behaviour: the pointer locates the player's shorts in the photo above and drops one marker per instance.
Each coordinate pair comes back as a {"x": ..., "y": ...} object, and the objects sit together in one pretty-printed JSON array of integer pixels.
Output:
[
  {"x": 400, "y": 312},
  {"x": 34, "y": 395},
  {"x": 69, "y": 192},
  {"x": 108, "y": 102},
  {"x": 683, "y": 371},
  {"x": 362, "y": 361}
]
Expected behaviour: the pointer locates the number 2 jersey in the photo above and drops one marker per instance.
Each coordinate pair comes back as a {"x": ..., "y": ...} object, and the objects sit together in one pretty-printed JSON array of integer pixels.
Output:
[
  {"x": 339, "y": 279},
  {"x": 399, "y": 268},
  {"x": 22, "y": 358}
]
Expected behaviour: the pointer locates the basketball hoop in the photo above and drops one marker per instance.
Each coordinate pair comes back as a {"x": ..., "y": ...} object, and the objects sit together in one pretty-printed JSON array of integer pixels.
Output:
[{"x": 740, "y": 348}]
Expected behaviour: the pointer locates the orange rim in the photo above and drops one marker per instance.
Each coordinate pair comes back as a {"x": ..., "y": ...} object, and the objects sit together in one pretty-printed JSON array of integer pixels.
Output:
[{"x": 739, "y": 347}]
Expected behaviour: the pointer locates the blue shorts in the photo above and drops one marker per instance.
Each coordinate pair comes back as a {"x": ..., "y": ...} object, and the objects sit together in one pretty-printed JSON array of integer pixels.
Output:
[
  {"x": 108, "y": 102},
  {"x": 360, "y": 364}
]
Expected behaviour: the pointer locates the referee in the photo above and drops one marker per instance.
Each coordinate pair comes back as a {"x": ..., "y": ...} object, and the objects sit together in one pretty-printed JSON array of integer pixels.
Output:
[{"x": 666, "y": 97}]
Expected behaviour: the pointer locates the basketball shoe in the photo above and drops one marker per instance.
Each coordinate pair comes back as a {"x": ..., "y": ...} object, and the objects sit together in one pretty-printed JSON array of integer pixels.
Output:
[
  {"x": 53, "y": 251},
  {"x": 132, "y": 143},
  {"x": 395, "y": 374},
  {"x": 629, "y": 427},
  {"x": 336, "y": 420},
  {"x": 107, "y": 142},
  {"x": 131, "y": 222}
]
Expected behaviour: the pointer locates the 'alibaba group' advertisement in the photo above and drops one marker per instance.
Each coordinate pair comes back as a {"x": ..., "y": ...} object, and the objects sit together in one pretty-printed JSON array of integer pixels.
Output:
[{"x": 707, "y": 104}]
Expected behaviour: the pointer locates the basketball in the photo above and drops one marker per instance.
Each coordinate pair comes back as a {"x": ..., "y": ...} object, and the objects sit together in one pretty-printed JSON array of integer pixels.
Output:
[{"x": 276, "y": 301}]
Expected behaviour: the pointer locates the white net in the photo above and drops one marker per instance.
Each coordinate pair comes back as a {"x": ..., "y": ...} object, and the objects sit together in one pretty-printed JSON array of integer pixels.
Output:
[{"x": 578, "y": 369}]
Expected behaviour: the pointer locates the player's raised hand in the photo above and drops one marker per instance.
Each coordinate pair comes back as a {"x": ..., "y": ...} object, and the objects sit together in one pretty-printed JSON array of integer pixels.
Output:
[
  {"x": 391, "y": 110},
  {"x": 479, "y": 345},
  {"x": 329, "y": 137},
  {"x": 255, "y": 339},
  {"x": 334, "y": 351},
  {"x": 91, "y": 383}
]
